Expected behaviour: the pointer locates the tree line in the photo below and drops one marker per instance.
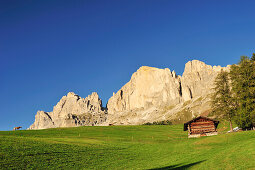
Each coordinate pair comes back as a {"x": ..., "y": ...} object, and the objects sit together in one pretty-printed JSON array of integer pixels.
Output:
[{"x": 234, "y": 94}]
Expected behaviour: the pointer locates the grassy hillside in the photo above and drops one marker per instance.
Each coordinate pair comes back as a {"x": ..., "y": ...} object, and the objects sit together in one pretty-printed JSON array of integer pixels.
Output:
[{"x": 125, "y": 147}]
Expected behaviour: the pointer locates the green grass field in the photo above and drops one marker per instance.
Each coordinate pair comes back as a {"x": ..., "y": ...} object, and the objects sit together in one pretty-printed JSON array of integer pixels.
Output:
[{"x": 125, "y": 147}]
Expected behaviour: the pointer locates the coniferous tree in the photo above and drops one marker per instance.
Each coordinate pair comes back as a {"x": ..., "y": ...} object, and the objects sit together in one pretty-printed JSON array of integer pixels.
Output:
[
  {"x": 222, "y": 101},
  {"x": 253, "y": 57},
  {"x": 243, "y": 84}
]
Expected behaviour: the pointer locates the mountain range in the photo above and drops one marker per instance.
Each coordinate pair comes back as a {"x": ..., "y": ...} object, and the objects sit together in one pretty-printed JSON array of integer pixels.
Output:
[{"x": 152, "y": 94}]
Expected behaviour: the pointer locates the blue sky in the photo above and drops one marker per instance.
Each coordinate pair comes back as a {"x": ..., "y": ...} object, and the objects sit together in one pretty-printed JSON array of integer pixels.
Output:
[{"x": 48, "y": 48}]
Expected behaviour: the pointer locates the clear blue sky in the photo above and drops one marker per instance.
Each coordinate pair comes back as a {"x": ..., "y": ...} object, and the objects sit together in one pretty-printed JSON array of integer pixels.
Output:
[{"x": 48, "y": 48}]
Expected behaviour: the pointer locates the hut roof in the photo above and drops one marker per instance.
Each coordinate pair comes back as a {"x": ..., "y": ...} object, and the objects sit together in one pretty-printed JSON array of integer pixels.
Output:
[{"x": 216, "y": 122}]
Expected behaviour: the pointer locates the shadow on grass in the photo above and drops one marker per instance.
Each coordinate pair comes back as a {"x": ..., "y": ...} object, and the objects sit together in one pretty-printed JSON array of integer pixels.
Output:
[{"x": 178, "y": 166}]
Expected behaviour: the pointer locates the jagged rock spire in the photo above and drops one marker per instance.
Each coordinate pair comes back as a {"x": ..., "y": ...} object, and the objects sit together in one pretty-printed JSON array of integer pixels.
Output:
[
  {"x": 72, "y": 110},
  {"x": 146, "y": 97}
]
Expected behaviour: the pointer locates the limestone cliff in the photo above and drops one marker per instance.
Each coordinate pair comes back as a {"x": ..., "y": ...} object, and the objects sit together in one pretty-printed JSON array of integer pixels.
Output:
[
  {"x": 198, "y": 78},
  {"x": 72, "y": 110},
  {"x": 155, "y": 94},
  {"x": 152, "y": 94},
  {"x": 148, "y": 87}
]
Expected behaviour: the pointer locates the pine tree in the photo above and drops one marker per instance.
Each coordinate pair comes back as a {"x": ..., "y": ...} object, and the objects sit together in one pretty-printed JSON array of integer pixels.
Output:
[
  {"x": 253, "y": 57},
  {"x": 243, "y": 83},
  {"x": 222, "y": 101}
]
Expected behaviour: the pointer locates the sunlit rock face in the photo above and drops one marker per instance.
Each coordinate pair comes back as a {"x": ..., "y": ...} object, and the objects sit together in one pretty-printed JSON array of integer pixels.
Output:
[
  {"x": 42, "y": 121},
  {"x": 152, "y": 94},
  {"x": 146, "y": 96},
  {"x": 198, "y": 79},
  {"x": 148, "y": 87},
  {"x": 72, "y": 110}
]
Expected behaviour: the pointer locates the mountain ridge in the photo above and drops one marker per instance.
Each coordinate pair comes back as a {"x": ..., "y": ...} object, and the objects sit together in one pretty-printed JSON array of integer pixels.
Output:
[{"x": 152, "y": 94}]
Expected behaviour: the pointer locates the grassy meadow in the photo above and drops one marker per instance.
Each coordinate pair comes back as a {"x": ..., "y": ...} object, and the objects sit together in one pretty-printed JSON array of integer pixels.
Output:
[{"x": 125, "y": 147}]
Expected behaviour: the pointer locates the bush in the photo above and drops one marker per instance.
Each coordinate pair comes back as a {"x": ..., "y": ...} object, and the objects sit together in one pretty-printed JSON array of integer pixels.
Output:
[{"x": 164, "y": 122}]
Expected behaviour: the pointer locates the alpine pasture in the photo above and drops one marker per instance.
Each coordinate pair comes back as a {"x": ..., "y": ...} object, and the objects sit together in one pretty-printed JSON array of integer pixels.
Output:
[{"x": 125, "y": 147}]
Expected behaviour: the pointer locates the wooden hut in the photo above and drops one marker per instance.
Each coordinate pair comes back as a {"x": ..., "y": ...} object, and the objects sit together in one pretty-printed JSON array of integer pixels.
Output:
[{"x": 201, "y": 126}]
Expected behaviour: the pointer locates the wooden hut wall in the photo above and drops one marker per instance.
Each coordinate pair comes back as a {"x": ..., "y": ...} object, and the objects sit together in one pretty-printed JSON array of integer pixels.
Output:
[{"x": 202, "y": 126}]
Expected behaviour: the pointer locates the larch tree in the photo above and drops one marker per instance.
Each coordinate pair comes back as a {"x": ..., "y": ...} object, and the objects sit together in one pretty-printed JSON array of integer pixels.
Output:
[
  {"x": 223, "y": 103},
  {"x": 243, "y": 87}
]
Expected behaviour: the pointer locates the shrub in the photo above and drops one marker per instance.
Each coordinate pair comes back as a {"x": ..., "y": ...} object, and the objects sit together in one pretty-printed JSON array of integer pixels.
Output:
[{"x": 164, "y": 122}]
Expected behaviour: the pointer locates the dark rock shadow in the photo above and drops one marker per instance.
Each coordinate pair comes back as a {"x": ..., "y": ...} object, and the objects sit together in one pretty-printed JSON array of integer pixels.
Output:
[{"x": 178, "y": 166}]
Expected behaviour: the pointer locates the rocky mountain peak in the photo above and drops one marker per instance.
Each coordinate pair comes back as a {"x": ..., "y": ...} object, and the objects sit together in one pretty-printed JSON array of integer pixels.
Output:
[
  {"x": 72, "y": 110},
  {"x": 151, "y": 94},
  {"x": 195, "y": 66},
  {"x": 94, "y": 97},
  {"x": 72, "y": 94},
  {"x": 151, "y": 89}
]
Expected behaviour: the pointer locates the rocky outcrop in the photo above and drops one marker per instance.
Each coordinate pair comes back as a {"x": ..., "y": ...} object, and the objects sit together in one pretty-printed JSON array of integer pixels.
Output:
[
  {"x": 72, "y": 110},
  {"x": 152, "y": 94},
  {"x": 156, "y": 94},
  {"x": 42, "y": 121},
  {"x": 148, "y": 87},
  {"x": 198, "y": 79}
]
